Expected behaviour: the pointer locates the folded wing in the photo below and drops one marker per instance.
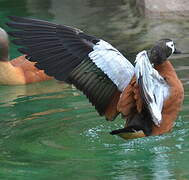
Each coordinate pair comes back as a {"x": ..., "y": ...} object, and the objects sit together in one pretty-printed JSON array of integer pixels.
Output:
[
  {"x": 154, "y": 89},
  {"x": 96, "y": 68}
]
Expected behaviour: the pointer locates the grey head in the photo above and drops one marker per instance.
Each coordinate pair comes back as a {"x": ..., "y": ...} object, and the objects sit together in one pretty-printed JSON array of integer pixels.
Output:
[
  {"x": 162, "y": 50},
  {"x": 4, "y": 45}
]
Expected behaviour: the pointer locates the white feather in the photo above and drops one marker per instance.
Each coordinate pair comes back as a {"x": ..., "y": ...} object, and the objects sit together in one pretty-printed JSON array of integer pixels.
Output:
[
  {"x": 113, "y": 64},
  {"x": 155, "y": 88},
  {"x": 170, "y": 44}
]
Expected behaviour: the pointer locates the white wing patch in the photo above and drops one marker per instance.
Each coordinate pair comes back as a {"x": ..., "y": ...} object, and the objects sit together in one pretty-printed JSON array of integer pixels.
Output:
[
  {"x": 113, "y": 64},
  {"x": 154, "y": 88}
]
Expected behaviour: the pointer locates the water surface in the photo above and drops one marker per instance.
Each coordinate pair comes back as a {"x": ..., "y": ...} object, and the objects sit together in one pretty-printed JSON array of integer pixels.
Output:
[{"x": 49, "y": 130}]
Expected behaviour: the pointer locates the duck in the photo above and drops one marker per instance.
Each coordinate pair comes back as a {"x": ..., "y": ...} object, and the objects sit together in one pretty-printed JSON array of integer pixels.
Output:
[
  {"x": 147, "y": 95},
  {"x": 18, "y": 71}
]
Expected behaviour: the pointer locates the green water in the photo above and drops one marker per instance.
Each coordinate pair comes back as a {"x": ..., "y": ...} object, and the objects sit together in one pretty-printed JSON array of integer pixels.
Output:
[{"x": 49, "y": 130}]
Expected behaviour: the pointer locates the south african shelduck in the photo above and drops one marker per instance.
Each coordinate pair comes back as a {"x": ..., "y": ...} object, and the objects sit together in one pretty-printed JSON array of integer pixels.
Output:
[{"x": 149, "y": 95}]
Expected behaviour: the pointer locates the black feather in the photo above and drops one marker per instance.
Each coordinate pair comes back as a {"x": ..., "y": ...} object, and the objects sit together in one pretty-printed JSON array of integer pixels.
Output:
[
  {"x": 62, "y": 51},
  {"x": 35, "y": 42},
  {"x": 27, "y": 26},
  {"x": 101, "y": 83},
  {"x": 30, "y": 20},
  {"x": 31, "y": 34}
]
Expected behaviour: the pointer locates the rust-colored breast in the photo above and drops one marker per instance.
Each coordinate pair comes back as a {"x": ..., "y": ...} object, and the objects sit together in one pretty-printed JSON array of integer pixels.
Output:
[
  {"x": 174, "y": 102},
  {"x": 31, "y": 73},
  {"x": 130, "y": 101}
]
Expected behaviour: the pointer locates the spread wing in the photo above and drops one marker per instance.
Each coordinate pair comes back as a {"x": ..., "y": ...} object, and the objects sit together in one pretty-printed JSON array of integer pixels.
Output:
[
  {"x": 154, "y": 89},
  {"x": 96, "y": 68}
]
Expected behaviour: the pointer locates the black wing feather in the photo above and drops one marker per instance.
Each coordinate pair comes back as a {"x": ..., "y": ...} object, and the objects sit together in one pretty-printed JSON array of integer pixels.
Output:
[
  {"x": 85, "y": 72},
  {"x": 62, "y": 52}
]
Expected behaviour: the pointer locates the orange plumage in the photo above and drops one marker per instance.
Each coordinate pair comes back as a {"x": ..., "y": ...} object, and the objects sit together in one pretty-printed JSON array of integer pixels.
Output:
[
  {"x": 131, "y": 102},
  {"x": 149, "y": 95},
  {"x": 173, "y": 104},
  {"x": 19, "y": 70},
  {"x": 30, "y": 72}
]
